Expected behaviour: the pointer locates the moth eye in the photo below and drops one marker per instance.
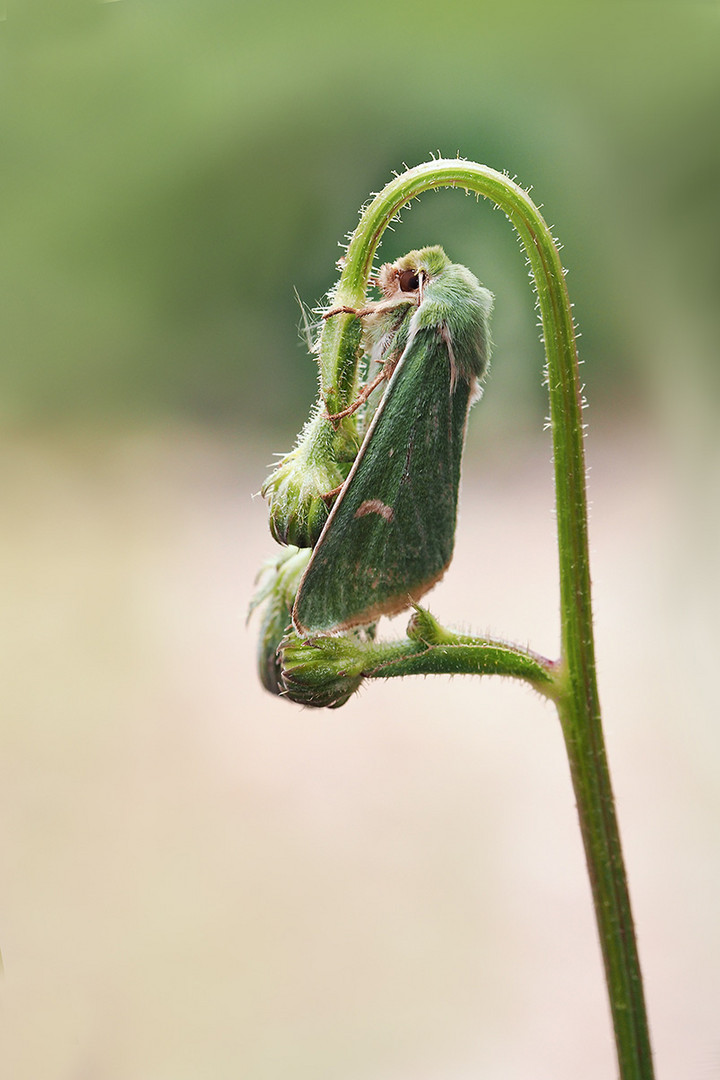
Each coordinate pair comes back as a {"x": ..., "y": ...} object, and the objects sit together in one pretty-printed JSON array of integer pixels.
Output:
[{"x": 408, "y": 280}]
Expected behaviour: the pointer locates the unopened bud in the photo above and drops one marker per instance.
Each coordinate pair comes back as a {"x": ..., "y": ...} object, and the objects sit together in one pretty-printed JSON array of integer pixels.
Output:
[
  {"x": 322, "y": 672},
  {"x": 279, "y": 579},
  {"x": 300, "y": 491}
]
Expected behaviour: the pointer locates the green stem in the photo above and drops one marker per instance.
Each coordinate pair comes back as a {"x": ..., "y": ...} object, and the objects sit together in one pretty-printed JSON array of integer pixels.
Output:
[
  {"x": 466, "y": 655},
  {"x": 577, "y": 698},
  {"x": 601, "y": 837}
]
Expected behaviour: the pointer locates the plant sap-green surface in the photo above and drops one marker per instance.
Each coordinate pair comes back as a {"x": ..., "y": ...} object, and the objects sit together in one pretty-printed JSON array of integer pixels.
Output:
[{"x": 390, "y": 534}]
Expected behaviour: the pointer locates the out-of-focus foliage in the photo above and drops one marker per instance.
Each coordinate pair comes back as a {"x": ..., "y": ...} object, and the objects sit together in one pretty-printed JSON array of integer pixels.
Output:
[{"x": 172, "y": 170}]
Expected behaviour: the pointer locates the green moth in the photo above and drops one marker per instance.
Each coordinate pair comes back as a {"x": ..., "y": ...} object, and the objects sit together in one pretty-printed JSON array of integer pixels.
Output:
[{"x": 390, "y": 534}]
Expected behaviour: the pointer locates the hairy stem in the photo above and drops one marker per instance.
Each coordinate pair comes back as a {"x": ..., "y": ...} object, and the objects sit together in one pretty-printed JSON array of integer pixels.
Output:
[{"x": 577, "y": 696}]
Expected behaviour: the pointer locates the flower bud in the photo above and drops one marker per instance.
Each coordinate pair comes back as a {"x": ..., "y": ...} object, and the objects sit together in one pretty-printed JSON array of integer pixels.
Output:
[
  {"x": 321, "y": 672},
  {"x": 298, "y": 490},
  {"x": 425, "y": 628},
  {"x": 281, "y": 577}
]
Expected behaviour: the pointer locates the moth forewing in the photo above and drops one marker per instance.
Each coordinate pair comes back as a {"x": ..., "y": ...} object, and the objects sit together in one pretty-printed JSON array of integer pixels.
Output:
[
  {"x": 390, "y": 535},
  {"x": 314, "y": 608}
]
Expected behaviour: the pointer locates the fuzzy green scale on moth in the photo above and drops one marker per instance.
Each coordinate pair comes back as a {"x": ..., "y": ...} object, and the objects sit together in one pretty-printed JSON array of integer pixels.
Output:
[{"x": 390, "y": 534}]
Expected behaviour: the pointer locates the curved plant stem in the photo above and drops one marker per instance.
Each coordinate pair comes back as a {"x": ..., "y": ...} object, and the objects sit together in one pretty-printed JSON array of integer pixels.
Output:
[{"x": 576, "y": 687}]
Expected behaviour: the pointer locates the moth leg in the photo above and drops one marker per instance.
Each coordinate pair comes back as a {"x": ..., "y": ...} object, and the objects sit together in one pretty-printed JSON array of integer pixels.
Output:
[
  {"x": 358, "y": 312},
  {"x": 360, "y": 399},
  {"x": 330, "y": 496}
]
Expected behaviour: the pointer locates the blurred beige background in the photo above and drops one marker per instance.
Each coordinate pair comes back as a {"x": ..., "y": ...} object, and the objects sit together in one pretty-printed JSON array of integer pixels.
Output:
[{"x": 197, "y": 879}]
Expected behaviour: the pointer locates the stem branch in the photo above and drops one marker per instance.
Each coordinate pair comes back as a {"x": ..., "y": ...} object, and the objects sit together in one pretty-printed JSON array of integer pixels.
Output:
[{"x": 326, "y": 669}]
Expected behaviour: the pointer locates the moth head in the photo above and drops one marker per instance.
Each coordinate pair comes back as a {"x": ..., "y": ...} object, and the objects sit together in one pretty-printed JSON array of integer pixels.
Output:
[{"x": 407, "y": 277}]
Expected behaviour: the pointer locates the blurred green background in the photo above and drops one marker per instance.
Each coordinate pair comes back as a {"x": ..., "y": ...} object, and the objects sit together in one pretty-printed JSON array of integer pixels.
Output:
[
  {"x": 197, "y": 879},
  {"x": 173, "y": 171}
]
